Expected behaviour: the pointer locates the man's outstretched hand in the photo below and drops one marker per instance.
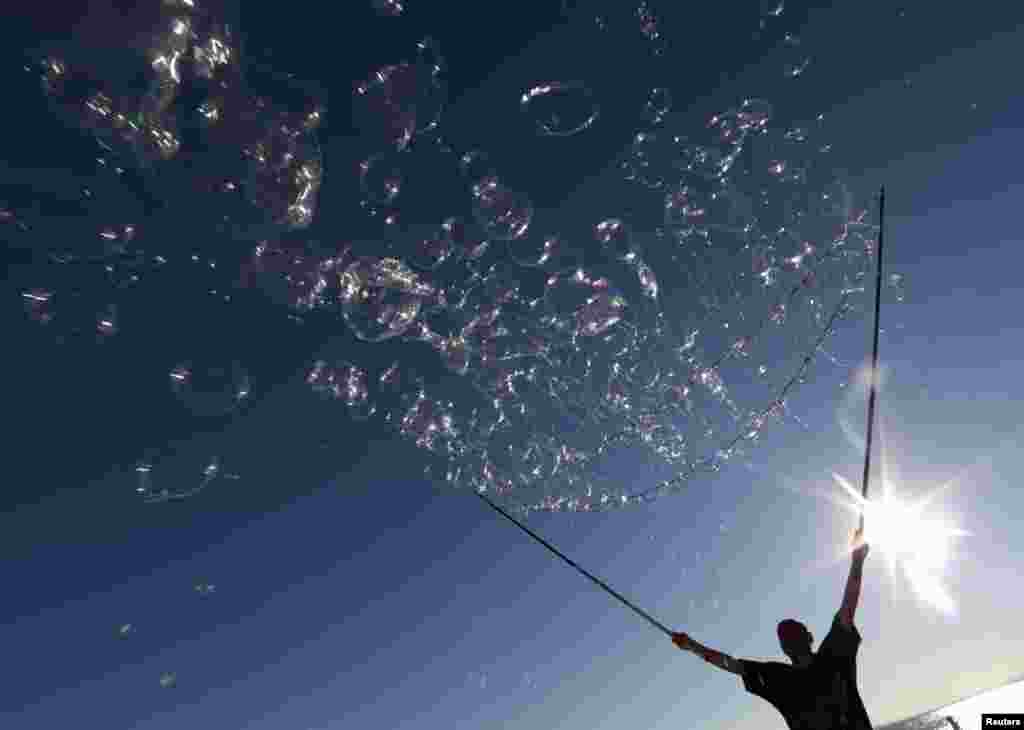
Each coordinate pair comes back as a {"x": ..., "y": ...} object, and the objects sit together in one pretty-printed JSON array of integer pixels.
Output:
[
  {"x": 860, "y": 548},
  {"x": 683, "y": 641}
]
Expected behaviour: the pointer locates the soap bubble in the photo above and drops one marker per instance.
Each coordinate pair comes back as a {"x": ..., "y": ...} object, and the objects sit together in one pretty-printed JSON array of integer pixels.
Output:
[
  {"x": 466, "y": 240},
  {"x": 503, "y": 213},
  {"x": 649, "y": 26},
  {"x": 797, "y": 68},
  {"x": 301, "y": 277},
  {"x": 380, "y": 178},
  {"x": 659, "y": 103},
  {"x": 560, "y": 109},
  {"x": 614, "y": 237},
  {"x": 389, "y": 8},
  {"x": 399, "y": 101},
  {"x": 210, "y": 385},
  {"x": 432, "y": 246},
  {"x": 648, "y": 280},
  {"x": 428, "y": 423},
  {"x": 894, "y": 290},
  {"x": 70, "y": 315},
  {"x": 652, "y": 159},
  {"x": 384, "y": 117},
  {"x": 381, "y": 297},
  {"x": 162, "y": 480},
  {"x": 284, "y": 173},
  {"x": 601, "y": 311},
  {"x": 428, "y": 56},
  {"x": 345, "y": 383},
  {"x": 551, "y": 252}
]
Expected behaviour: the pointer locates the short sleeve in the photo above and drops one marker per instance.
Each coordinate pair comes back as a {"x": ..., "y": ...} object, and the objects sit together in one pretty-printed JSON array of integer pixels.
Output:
[
  {"x": 764, "y": 679},
  {"x": 841, "y": 641}
]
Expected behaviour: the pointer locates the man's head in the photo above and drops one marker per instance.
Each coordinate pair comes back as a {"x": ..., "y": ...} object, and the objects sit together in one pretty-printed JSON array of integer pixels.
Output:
[{"x": 795, "y": 640}]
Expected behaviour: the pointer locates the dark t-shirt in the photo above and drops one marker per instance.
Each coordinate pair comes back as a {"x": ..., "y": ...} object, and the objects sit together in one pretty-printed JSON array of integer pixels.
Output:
[{"x": 820, "y": 696}]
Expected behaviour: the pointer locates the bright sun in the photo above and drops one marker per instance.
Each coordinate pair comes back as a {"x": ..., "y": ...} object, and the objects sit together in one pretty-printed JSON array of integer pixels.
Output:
[{"x": 906, "y": 538}]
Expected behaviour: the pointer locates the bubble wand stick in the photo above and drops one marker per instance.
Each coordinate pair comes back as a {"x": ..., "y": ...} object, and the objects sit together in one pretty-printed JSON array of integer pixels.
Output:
[
  {"x": 600, "y": 583},
  {"x": 874, "y": 353}
]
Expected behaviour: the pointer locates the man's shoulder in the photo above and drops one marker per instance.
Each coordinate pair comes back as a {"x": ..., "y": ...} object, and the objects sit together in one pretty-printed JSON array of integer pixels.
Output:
[
  {"x": 763, "y": 671},
  {"x": 772, "y": 681}
]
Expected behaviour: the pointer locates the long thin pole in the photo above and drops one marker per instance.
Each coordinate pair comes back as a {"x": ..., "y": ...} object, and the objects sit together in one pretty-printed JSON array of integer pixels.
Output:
[
  {"x": 643, "y": 614},
  {"x": 874, "y": 353}
]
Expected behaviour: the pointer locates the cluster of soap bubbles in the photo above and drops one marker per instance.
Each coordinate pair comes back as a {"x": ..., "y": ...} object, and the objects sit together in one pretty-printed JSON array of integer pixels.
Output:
[
  {"x": 261, "y": 158},
  {"x": 530, "y": 358}
]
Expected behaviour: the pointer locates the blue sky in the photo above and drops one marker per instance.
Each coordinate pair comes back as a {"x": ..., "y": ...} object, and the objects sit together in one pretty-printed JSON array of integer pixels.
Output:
[{"x": 368, "y": 598}]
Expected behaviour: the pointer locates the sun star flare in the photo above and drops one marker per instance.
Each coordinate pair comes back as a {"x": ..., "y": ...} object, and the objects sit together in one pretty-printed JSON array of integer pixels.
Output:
[{"x": 907, "y": 538}]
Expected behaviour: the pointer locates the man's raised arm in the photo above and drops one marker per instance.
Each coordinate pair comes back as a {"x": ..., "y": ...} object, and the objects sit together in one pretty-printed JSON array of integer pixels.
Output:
[
  {"x": 852, "y": 594},
  {"x": 717, "y": 658}
]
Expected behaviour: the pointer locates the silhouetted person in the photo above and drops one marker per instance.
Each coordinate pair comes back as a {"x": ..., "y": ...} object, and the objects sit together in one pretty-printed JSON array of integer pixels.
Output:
[{"x": 818, "y": 691}]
